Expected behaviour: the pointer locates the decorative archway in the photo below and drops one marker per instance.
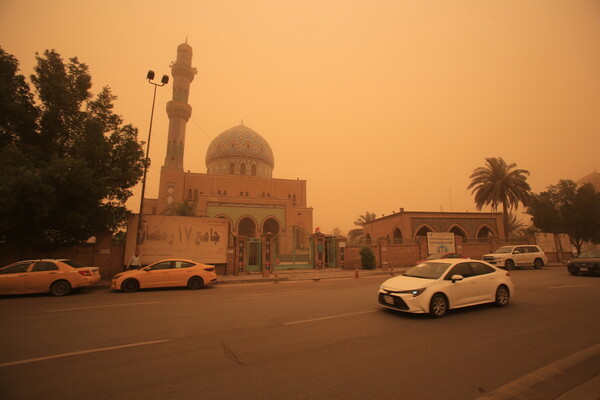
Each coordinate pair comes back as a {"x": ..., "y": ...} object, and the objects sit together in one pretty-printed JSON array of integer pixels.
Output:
[
  {"x": 485, "y": 232},
  {"x": 458, "y": 231},
  {"x": 271, "y": 225},
  {"x": 397, "y": 236},
  {"x": 422, "y": 231},
  {"x": 246, "y": 227}
]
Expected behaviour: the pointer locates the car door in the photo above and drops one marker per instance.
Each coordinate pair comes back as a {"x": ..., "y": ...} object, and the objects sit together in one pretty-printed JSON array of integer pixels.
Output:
[
  {"x": 180, "y": 273},
  {"x": 41, "y": 276},
  {"x": 461, "y": 293},
  {"x": 12, "y": 278},
  {"x": 156, "y": 275},
  {"x": 485, "y": 282},
  {"x": 520, "y": 255}
]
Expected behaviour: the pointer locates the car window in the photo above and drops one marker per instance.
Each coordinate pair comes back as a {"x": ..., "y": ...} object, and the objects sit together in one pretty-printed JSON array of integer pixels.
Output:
[
  {"x": 16, "y": 268},
  {"x": 183, "y": 264},
  {"x": 520, "y": 250},
  {"x": 504, "y": 249},
  {"x": 161, "y": 265},
  {"x": 533, "y": 249},
  {"x": 44, "y": 266},
  {"x": 71, "y": 263},
  {"x": 428, "y": 270},
  {"x": 481, "y": 269},
  {"x": 463, "y": 269}
]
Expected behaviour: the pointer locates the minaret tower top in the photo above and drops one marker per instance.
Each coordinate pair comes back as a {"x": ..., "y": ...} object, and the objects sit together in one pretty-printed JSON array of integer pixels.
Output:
[{"x": 178, "y": 109}]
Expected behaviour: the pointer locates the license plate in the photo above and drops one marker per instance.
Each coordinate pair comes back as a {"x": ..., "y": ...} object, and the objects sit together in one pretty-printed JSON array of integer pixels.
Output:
[{"x": 388, "y": 299}]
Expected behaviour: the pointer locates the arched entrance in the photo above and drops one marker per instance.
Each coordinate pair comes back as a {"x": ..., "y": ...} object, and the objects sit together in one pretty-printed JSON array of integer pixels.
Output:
[{"x": 247, "y": 227}]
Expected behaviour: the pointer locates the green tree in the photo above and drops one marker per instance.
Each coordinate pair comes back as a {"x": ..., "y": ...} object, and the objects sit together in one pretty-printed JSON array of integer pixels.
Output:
[
  {"x": 18, "y": 115},
  {"x": 357, "y": 235},
  {"x": 568, "y": 208},
  {"x": 498, "y": 183},
  {"x": 336, "y": 232},
  {"x": 69, "y": 170},
  {"x": 367, "y": 258}
]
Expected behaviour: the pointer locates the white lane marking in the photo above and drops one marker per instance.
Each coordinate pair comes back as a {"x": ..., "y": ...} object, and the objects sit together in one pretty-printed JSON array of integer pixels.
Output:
[
  {"x": 76, "y": 353},
  {"x": 570, "y": 286},
  {"x": 331, "y": 317},
  {"x": 103, "y": 306},
  {"x": 278, "y": 293}
]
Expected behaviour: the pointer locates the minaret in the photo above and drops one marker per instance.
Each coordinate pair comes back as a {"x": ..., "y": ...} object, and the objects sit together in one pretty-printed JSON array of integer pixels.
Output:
[{"x": 178, "y": 109}]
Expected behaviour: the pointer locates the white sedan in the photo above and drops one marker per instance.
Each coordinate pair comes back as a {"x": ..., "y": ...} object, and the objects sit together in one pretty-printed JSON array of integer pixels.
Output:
[{"x": 437, "y": 286}]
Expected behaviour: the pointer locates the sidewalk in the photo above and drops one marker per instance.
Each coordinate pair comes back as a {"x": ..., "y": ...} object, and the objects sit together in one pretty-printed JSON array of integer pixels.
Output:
[
  {"x": 289, "y": 275},
  {"x": 303, "y": 275}
]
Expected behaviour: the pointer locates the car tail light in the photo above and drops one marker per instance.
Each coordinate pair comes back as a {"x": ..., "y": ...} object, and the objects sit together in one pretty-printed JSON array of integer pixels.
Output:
[
  {"x": 507, "y": 273},
  {"x": 85, "y": 273},
  {"x": 211, "y": 269}
]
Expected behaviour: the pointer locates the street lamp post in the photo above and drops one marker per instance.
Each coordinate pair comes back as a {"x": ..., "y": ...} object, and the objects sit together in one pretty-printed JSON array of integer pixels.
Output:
[{"x": 163, "y": 82}]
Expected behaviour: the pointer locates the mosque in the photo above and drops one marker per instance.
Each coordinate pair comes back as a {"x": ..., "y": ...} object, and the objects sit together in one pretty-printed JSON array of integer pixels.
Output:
[{"x": 238, "y": 184}]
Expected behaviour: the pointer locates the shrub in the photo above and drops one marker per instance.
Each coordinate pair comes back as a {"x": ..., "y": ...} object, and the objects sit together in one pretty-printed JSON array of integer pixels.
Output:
[{"x": 367, "y": 258}]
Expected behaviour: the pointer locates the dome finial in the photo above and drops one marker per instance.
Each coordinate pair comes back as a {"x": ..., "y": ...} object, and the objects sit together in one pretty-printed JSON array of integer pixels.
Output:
[{"x": 242, "y": 121}]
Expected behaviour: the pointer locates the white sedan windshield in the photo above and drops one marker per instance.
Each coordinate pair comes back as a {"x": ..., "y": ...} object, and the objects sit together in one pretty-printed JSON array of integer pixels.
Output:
[{"x": 427, "y": 270}]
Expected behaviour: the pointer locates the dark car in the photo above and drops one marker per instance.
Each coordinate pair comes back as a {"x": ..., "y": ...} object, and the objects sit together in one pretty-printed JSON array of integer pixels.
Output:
[{"x": 586, "y": 262}]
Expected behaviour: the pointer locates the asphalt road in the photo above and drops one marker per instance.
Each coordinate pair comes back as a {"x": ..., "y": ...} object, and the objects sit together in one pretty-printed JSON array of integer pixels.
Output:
[{"x": 293, "y": 340}]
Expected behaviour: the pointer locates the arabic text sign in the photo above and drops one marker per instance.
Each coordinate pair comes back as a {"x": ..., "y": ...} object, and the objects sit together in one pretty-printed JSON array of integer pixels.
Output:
[
  {"x": 199, "y": 239},
  {"x": 440, "y": 242}
]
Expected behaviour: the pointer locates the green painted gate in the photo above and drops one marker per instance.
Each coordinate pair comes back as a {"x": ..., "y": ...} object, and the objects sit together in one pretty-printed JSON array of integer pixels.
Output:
[
  {"x": 293, "y": 249},
  {"x": 253, "y": 255}
]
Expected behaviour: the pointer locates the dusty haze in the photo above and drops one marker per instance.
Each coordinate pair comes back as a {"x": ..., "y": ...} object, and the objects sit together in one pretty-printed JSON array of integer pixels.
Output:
[{"x": 377, "y": 104}]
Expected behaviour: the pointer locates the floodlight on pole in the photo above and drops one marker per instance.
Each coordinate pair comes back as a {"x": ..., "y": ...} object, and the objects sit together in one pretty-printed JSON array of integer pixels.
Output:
[{"x": 163, "y": 82}]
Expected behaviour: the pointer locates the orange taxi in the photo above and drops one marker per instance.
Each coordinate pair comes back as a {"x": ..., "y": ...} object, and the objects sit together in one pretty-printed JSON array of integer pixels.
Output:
[
  {"x": 165, "y": 273},
  {"x": 57, "y": 276}
]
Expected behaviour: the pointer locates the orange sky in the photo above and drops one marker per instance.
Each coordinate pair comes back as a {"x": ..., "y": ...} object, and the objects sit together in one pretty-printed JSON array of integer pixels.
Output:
[{"x": 378, "y": 104}]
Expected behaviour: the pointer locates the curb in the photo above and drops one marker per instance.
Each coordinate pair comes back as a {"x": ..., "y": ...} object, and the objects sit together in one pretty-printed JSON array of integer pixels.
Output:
[{"x": 521, "y": 388}]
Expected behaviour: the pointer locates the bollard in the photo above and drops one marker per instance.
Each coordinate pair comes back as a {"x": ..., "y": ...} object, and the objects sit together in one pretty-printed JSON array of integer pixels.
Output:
[
  {"x": 276, "y": 280},
  {"x": 316, "y": 276},
  {"x": 356, "y": 273},
  {"x": 392, "y": 270}
]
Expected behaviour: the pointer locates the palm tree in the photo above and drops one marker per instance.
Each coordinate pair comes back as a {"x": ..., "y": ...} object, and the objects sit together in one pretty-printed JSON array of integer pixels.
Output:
[
  {"x": 356, "y": 235},
  {"x": 515, "y": 226},
  {"x": 499, "y": 183},
  {"x": 185, "y": 209}
]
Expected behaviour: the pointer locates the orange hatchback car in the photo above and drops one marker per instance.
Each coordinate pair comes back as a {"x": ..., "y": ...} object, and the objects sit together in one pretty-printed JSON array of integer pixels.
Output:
[
  {"x": 57, "y": 276},
  {"x": 165, "y": 273}
]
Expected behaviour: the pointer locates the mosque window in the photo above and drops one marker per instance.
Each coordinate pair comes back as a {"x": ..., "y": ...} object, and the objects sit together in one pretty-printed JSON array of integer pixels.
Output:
[
  {"x": 247, "y": 194},
  {"x": 231, "y": 168},
  {"x": 397, "y": 236},
  {"x": 268, "y": 194},
  {"x": 196, "y": 194},
  {"x": 253, "y": 170},
  {"x": 241, "y": 193},
  {"x": 263, "y": 194},
  {"x": 189, "y": 196},
  {"x": 219, "y": 192},
  {"x": 225, "y": 192},
  {"x": 243, "y": 169}
]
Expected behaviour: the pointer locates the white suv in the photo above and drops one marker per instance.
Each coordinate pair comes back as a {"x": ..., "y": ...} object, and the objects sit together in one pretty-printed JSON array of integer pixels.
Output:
[{"x": 510, "y": 257}]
